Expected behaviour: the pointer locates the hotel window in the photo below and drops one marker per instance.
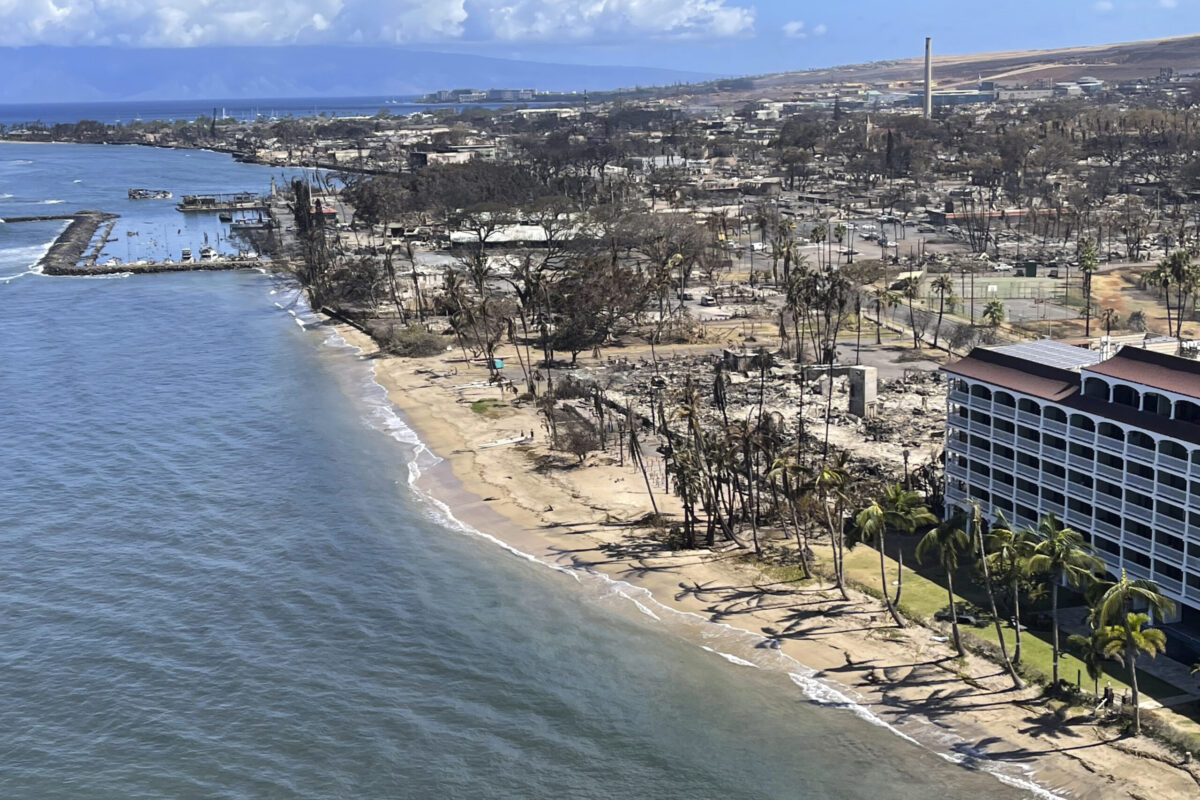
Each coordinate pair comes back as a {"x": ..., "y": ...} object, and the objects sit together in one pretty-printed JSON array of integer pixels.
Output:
[
  {"x": 1110, "y": 489},
  {"x": 1080, "y": 479},
  {"x": 1139, "y": 499},
  {"x": 1054, "y": 442},
  {"x": 1155, "y": 403},
  {"x": 1124, "y": 395},
  {"x": 1187, "y": 411},
  {"x": 1137, "y": 557},
  {"x": 1083, "y": 451},
  {"x": 1173, "y": 449},
  {"x": 1138, "y": 529},
  {"x": 981, "y": 392},
  {"x": 1164, "y": 539},
  {"x": 1106, "y": 545},
  {"x": 1079, "y": 507},
  {"x": 1140, "y": 470},
  {"x": 1167, "y": 478},
  {"x": 1082, "y": 422},
  {"x": 1004, "y": 399},
  {"x": 1050, "y": 468},
  {"x": 1109, "y": 460},
  {"x": 1095, "y": 389},
  {"x": 1139, "y": 439},
  {"x": 1193, "y": 580},
  {"x": 1170, "y": 510},
  {"x": 1110, "y": 431},
  {"x": 1165, "y": 569},
  {"x": 1054, "y": 414}
]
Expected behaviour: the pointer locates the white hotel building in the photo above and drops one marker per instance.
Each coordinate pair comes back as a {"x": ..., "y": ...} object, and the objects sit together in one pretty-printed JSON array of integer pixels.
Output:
[{"x": 1111, "y": 446}]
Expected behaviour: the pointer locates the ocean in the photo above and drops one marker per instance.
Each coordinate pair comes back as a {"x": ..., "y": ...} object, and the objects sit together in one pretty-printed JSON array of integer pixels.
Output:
[
  {"x": 245, "y": 110},
  {"x": 219, "y": 582}
]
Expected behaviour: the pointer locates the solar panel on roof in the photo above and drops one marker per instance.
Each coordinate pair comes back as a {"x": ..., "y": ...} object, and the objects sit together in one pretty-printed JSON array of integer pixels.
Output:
[{"x": 1051, "y": 353}]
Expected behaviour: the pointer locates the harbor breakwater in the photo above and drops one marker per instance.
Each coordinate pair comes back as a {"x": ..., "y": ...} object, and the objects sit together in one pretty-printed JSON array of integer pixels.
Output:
[{"x": 66, "y": 256}]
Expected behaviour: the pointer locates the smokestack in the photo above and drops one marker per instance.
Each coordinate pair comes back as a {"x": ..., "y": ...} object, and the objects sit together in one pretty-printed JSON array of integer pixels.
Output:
[{"x": 928, "y": 77}]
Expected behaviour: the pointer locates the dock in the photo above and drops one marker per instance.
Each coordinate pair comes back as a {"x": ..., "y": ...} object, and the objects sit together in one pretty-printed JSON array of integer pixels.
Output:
[{"x": 215, "y": 203}]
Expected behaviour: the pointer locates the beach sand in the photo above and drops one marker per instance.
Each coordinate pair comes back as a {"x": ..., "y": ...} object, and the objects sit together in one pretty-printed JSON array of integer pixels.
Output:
[{"x": 577, "y": 517}]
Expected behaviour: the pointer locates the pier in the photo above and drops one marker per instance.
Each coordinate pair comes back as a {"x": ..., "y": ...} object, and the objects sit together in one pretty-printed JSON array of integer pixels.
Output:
[{"x": 202, "y": 203}]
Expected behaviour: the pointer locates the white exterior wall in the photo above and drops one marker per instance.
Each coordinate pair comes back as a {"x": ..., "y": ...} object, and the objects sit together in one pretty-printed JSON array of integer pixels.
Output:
[{"x": 1161, "y": 543}]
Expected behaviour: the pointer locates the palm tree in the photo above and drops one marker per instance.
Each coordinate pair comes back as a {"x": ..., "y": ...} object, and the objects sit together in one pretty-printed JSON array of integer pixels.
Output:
[
  {"x": 884, "y": 299},
  {"x": 1089, "y": 260},
  {"x": 902, "y": 510},
  {"x": 1109, "y": 318},
  {"x": 1129, "y": 636},
  {"x": 1008, "y": 554},
  {"x": 1061, "y": 555},
  {"x": 945, "y": 542},
  {"x": 789, "y": 471},
  {"x": 944, "y": 286},
  {"x": 910, "y": 289},
  {"x": 977, "y": 524},
  {"x": 993, "y": 312},
  {"x": 635, "y": 452},
  {"x": 829, "y": 483},
  {"x": 906, "y": 512}
]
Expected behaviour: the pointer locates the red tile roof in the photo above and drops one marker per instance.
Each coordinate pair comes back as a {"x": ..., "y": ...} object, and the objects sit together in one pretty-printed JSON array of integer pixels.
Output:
[
  {"x": 1018, "y": 374},
  {"x": 1157, "y": 370}
]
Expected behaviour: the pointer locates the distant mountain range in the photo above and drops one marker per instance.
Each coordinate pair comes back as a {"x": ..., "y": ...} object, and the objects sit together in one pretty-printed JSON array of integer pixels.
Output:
[{"x": 101, "y": 74}]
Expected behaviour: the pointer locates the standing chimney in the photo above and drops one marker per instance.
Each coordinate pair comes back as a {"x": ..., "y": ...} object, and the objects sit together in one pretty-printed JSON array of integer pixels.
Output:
[{"x": 928, "y": 78}]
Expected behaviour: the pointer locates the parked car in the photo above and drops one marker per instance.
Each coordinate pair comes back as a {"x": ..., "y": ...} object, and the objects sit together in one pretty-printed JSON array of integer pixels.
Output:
[{"x": 925, "y": 227}]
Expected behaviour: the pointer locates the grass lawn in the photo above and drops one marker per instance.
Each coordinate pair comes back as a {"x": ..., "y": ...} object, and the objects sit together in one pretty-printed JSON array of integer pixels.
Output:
[{"x": 922, "y": 597}]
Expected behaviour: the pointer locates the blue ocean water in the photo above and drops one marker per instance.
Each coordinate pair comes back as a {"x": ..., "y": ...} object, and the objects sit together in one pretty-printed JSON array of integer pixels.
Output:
[
  {"x": 218, "y": 583},
  {"x": 246, "y": 110}
]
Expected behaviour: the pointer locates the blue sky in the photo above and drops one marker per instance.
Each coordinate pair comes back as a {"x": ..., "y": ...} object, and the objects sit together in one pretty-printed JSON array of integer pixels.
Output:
[{"x": 714, "y": 36}]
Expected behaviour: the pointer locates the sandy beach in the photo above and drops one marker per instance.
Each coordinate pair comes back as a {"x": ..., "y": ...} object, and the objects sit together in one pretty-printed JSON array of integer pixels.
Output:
[{"x": 579, "y": 517}]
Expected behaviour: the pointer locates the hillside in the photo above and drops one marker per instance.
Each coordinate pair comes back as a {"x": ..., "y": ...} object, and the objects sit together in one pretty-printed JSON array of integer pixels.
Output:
[{"x": 1110, "y": 62}]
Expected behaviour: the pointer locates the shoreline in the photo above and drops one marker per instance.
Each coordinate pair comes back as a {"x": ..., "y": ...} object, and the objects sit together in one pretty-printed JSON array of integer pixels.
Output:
[{"x": 576, "y": 520}]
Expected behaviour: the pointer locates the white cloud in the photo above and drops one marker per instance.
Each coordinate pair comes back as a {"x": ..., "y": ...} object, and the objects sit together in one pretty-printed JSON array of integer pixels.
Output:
[
  {"x": 1168, "y": 3},
  {"x": 794, "y": 29},
  {"x": 797, "y": 30},
  {"x": 1103, "y": 6},
  {"x": 183, "y": 23}
]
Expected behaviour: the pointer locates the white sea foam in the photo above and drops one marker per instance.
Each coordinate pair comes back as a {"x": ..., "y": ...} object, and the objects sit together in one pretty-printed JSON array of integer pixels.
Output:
[
  {"x": 953, "y": 748},
  {"x": 52, "y": 202},
  {"x": 5, "y": 196},
  {"x": 732, "y": 659}
]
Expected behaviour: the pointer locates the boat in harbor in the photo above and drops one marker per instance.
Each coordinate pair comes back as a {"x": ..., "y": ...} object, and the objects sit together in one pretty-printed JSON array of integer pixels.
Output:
[{"x": 186, "y": 255}]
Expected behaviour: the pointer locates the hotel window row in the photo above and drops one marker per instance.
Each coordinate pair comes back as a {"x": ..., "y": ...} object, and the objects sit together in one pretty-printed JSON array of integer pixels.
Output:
[{"x": 1112, "y": 447}]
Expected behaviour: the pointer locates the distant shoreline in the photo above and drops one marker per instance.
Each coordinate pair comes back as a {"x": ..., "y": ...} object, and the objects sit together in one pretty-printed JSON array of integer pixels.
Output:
[{"x": 578, "y": 519}]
